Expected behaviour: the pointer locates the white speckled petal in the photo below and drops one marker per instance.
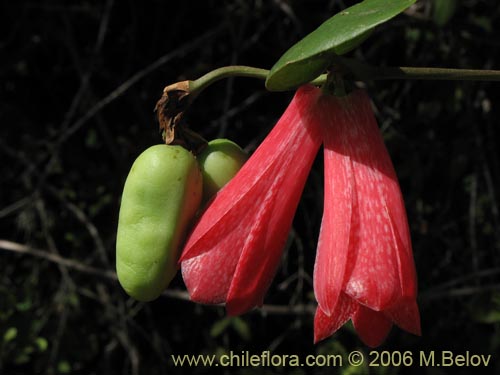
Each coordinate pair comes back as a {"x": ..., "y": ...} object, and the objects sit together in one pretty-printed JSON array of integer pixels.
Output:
[
  {"x": 332, "y": 253},
  {"x": 326, "y": 325},
  {"x": 364, "y": 248}
]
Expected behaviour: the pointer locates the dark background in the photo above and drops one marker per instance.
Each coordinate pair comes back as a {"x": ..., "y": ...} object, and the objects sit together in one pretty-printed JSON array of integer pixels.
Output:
[{"x": 78, "y": 84}]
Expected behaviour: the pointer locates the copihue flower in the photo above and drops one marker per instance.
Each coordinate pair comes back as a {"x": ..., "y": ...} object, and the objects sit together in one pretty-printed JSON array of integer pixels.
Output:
[
  {"x": 234, "y": 249},
  {"x": 364, "y": 268}
]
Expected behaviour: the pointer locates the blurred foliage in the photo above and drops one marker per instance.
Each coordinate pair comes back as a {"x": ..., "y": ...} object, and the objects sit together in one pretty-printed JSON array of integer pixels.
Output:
[{"x": 78, "y": 90}]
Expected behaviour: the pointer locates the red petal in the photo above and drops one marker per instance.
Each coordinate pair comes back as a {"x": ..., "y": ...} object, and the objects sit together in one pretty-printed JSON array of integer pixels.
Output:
[
  {"x": 250, "y": 218},
  {"x": 205, "y": 285},
  {"x": 249, "y": 273},
  {"x": 333, "y": 245},
  {"x": 325, "y": 326},
  {"x": 406, "y": 316},
  {"x": 274, "y": 218},
  {"x": 373, "y": 278},
  {"x": 371, "y": 326},
  {"x": 237, "y": 200},
  {"x": 224, "y": 213},
  {"x": 364, "y": 248},
  {"x": 208, "y": 276},
  {"x": 406, "y": 266}
]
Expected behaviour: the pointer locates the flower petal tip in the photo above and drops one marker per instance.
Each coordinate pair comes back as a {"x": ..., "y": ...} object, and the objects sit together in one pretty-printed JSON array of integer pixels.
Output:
[
  {"x": 318, "y": 338},
  {"x": 235, "y": 308},
  {"x": 406, "y": 316},
  {"x": 372, "y": 327}
]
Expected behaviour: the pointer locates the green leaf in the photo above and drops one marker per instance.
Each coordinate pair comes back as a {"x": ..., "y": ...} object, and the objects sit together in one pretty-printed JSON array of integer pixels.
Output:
[
  {"x": 41, "y": 344},
  {"x": 338, "y": 35},
  {"x": 10, "y": 334}
]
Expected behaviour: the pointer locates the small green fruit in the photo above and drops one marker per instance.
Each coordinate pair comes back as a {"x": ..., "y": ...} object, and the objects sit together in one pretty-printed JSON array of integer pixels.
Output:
[
  {"x": 219, "y": 163},
  {"x": 160, "y": 198}
]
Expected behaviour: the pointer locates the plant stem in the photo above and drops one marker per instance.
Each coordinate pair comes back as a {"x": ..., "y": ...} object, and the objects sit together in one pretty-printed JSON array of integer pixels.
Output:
[
  {"x": 445, "y": 74},
  {"x": 195, "y": 87},
  {"x": 366, "y": 72},
  {"x": 360, "y": 71}
]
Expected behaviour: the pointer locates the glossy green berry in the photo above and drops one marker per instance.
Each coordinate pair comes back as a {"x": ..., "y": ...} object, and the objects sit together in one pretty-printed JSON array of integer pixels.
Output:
[
  {"x": 219, "y": 163},
  {"x": 160, "y": 198}
]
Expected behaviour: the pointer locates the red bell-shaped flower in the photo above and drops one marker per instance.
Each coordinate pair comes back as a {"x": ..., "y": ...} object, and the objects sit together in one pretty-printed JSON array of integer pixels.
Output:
[
  {"x": 233, "y": 251},
  {"x": 364, "y": 267}
]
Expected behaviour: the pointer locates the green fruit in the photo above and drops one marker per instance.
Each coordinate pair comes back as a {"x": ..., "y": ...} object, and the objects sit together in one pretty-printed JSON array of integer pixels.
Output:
[
  {"x": 161, "y": 196},
  {"x": 219, "y": 163}
]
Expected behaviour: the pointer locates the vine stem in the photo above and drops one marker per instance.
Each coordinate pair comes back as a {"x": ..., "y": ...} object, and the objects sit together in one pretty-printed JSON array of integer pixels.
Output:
[
  {"x": 359, "y": 70},
  {"x": 444, "y": 74},
  {"x": 177, "y": 97},
  {"x": 195, "y": 87}
]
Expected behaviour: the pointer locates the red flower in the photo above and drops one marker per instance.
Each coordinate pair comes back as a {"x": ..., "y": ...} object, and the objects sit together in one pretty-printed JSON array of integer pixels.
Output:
[
  {"x": 233, "y": 251},
  {"x": 364, "y": 267}
]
